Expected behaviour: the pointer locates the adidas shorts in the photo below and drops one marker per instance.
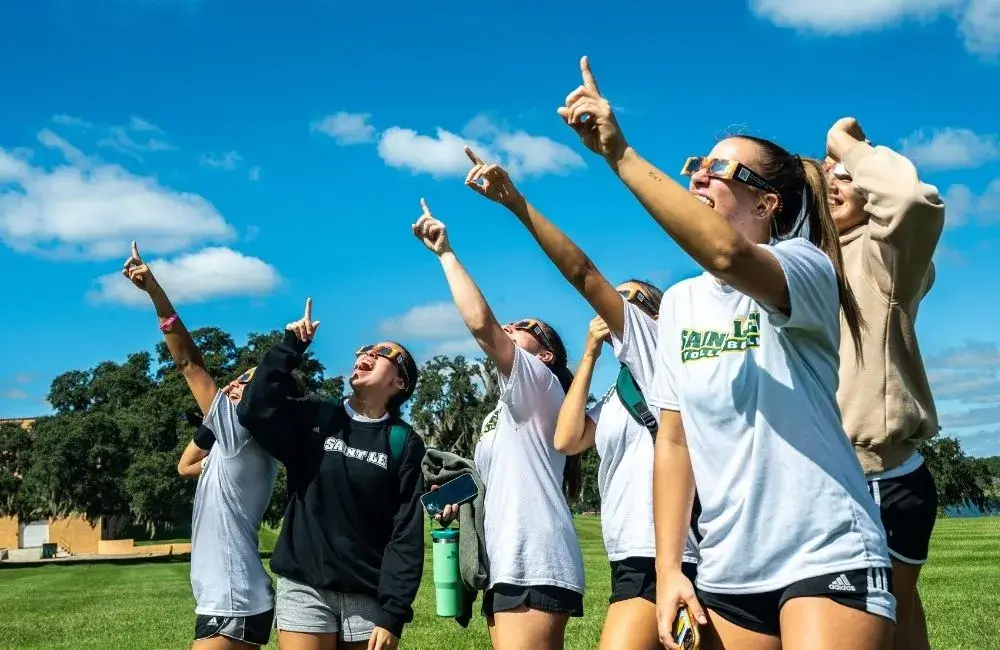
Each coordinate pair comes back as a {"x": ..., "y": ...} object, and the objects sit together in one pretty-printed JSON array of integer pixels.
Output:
[
  {"x": 867, "y": 590},
  {"x": 255, "y": 630}
]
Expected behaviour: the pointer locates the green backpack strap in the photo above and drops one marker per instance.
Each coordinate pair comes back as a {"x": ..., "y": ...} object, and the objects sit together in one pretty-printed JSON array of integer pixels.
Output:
[
  {"x": 631, "y": 398},
  {"x": 398, "y": 435}
]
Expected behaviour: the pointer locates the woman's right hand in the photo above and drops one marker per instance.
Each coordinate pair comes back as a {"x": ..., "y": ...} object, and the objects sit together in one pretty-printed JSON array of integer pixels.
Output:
[
  {"x": 448, "y": 514},
  {"x": 304, "y": 328},
  {"x": 673, "y": 591},
  {"x": 590, "y": 115},
  {"x": 137, "y": 272},
  {"x": 431, "y": 232},
  {"x": 597, "y": 334},
  {"x": 491, "y": 181}
]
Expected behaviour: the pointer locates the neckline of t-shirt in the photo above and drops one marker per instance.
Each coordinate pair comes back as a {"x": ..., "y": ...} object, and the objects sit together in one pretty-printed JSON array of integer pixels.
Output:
[{"x": 718, "y": 286}]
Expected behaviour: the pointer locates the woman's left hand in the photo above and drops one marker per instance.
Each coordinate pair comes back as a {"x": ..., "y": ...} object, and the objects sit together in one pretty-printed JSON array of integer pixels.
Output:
[
  {"x": 495, "y": 181},
  {"x": 382, "y": 639}
]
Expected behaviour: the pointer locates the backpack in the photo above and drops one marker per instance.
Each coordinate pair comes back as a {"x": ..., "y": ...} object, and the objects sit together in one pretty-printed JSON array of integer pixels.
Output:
[
  {"x": 631, "y": 398},
  {"x": 398, "y": 435}
]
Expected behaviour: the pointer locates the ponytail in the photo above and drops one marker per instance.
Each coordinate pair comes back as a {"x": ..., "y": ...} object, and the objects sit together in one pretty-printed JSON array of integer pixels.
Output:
[
  {"x": 826, "y": 237},
  {"x": 572, "y": 472},
  {"x": 803, "y": 211}
]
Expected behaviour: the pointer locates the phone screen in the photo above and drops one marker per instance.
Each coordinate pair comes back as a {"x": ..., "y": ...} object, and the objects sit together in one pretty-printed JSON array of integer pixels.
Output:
[
  {"x": 682, "y": 629},
  {"x": 458, "y": 490}
]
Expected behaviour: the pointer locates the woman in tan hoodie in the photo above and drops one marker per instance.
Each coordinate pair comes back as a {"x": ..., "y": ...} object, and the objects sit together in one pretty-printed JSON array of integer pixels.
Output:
[{"x": 889, "y": 223}]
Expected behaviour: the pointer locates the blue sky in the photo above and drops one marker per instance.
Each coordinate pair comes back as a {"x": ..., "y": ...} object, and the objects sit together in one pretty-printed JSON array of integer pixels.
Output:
[{"x": 262, "y": 155}]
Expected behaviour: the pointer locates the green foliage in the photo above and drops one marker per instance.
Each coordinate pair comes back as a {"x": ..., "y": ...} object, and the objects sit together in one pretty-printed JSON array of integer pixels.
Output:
[
  {"x": 112, "y": 447},
  {"x": 962, "y": 481}
]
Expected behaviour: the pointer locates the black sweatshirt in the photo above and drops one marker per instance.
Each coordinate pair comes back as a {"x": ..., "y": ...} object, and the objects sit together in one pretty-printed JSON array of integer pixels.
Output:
[{"x": 354, "y": 523}]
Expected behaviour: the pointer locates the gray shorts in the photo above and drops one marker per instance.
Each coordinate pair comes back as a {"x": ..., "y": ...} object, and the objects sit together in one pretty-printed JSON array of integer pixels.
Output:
[{"x": 301, "y": 608}]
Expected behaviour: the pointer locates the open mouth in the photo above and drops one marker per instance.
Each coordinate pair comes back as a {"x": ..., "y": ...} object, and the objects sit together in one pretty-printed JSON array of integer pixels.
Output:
[{"x": 704, "y": 199}]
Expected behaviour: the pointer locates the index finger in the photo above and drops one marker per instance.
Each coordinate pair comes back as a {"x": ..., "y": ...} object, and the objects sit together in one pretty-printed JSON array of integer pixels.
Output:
[
  {"x": 135, "y": 250},
  {"x": 473, "y": 157},
  {"x": 423, "y": 206},
  {"x": 309, "y": 310},
  {"x": 588, "y": 75}
]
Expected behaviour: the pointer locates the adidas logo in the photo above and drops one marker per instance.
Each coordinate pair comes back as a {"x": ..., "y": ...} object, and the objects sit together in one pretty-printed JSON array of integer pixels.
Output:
[
  {"x": 214, "y": 622},
  {"x": 842, "y": 584}
]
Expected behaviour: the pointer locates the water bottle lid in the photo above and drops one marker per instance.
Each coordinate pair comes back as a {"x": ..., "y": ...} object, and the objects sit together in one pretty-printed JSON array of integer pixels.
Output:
[{"x": 445, "y": 535}]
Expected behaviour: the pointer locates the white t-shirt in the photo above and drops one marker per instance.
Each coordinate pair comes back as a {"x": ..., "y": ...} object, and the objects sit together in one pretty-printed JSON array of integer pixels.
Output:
[
  {"x": 625, "y": 447},
  {"x": 233, "y": 491},
  {"x": 782, "y": 492},
  {"x": 530, "y": 538}
]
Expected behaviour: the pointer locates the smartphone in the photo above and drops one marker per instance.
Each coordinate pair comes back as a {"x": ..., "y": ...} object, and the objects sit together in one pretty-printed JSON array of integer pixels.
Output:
[
  {"x": 683, "y": 632},
  {"x": 456, "y": 491}
]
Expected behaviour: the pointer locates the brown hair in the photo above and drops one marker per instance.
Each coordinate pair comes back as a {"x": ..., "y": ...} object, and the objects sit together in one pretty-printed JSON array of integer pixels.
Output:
[
  {"x": 572, "y": 473},
  {"x": 802, "y": 180}
]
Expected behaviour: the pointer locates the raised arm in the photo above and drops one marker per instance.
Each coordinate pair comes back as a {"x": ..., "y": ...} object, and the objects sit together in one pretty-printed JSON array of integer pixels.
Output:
[
  {"x": 269, "y": 409},
  {"x": 181, "y": 346},
  {"x": 493, "y": 182},
  {"x": 702, "y": 232},
  {"x": 469, "y": 300},
  {"x": 576, "y": 428}
]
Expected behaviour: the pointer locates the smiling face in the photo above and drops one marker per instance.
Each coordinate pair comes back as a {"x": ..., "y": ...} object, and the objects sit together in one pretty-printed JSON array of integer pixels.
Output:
[
  {"x": 234, "y": 389},
  {"x": 847, "y": 206},
  {"x": 374, "y": 371},
  {"x": 746, "y": 208},
  {"x": 527, "y": 340}
]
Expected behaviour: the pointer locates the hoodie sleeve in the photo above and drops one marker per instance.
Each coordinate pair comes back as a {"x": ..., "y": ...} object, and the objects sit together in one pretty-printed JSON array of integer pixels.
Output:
[
  {"x": 403, "y": 560},
  {"x": 907, "y": 217},
  {"x": 275, "y": 419}
]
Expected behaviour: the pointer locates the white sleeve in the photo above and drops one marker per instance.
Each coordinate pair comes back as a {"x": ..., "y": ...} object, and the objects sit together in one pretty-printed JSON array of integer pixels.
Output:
[
  {"x": 594, "y": 412},
  {"x": 637, "y": 347},
  {"x": 663, "y": 389},
  {"x": 230, "y": 435},
  {"x": 814, "y": 303},
  {"x": 529, "y": 380}
]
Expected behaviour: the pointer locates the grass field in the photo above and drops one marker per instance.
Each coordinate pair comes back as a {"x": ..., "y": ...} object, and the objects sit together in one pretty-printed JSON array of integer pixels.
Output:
[{"x": 149, "y": 606}]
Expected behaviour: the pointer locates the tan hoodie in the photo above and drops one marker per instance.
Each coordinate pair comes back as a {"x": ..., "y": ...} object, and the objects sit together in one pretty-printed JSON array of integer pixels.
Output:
[{"x": 886, "y": 400}]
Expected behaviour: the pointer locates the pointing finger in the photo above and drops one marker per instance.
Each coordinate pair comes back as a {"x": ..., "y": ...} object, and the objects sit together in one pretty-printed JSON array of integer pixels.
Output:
[
  {"x": 473, "y": 157},
  {"x": 588, "y": 75},
  {"x": 423, "y": 206},
  {"x": 135, "y": 250},
  {"x": 309, "y": 310}
]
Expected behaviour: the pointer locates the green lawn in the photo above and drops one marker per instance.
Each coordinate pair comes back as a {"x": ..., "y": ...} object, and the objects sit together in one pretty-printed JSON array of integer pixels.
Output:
[{"x": 149, "y": 606}]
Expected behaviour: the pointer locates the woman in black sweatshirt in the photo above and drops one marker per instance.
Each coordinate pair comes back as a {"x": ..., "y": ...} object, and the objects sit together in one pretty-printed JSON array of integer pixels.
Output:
[{"x": 350, "y": 554}]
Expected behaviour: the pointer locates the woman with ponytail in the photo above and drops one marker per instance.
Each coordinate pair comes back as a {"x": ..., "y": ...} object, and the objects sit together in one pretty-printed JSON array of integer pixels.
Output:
[
  {"x": 535, "y": 564},
  {"x": 792, "y": 551},
  {"x": 620, "y": 425}
]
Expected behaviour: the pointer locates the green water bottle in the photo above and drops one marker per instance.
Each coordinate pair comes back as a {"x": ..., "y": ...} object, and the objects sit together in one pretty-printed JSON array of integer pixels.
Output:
[{"x": 447, "y": 575}]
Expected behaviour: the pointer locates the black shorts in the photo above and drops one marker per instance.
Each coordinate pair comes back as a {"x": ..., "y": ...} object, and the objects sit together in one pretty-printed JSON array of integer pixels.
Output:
[
  {"x": 867, "y": 590},
  {"x": 635, "y": 577},
  {"x": 544, "y": 598},
  {"x": 255, "y": 629},
  {"x": 908, "y": 505}
]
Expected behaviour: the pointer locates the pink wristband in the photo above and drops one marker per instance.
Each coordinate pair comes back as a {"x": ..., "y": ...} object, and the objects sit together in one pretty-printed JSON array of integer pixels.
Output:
[{"x": 165, "y": 325}]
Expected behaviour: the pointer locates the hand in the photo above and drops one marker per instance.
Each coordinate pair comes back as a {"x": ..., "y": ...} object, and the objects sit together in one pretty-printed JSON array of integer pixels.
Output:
[
  {"x": 496, "y": 184},
  {"x": 448, "y": 514},
  {"x": 304, "y": 328},
  {"x": 673, "y": 591},
  {"x": 844, "y": 134},
  {"x": 597, "y": 334},
  {"x": 590, "y": 115},
  {"x": 382, "y": 639},
  {"x": 137, "y": 271},
  {"x": 431, "y": 232}
]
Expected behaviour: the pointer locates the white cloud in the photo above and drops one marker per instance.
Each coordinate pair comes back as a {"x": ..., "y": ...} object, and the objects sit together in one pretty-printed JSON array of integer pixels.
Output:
[
  {"x": 228, "y": 160},
  {"x": 254, "y": 173},
  {"x": 466, "y": 347},
  {"x": 140, "y": 125},
  {"x": 963, "y": 206},
  {"x": 204, "y": 275},
  {"x": 14, "y": 393},
  {"x": 978, "y": 20},
  {"x": 442, "y": 154},
  {"x": 24, "y": 378},
  {"x": 346, "y": 128},
  {"x": 439, "y": 320},
  {"x": 90, "y": 209},
  {"x": 950, "y": 149},
  {"x": 69, "y": 120}
]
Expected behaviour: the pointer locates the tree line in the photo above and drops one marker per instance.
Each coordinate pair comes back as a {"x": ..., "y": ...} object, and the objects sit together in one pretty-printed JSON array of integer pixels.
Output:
[{"x": 112, "y": 444}]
